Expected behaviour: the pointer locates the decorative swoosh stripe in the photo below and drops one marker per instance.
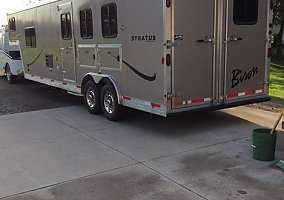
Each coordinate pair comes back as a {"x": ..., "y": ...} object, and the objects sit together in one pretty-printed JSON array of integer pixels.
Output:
[
  {"x": 36, "y": 58},
  {"x": 148, "y": 78}
]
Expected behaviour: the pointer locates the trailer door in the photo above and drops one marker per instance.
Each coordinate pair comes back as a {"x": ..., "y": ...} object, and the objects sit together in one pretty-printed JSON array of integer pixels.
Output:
[
  {"x": 246, "y": 48},
  {"x": 67, "y": 42},
  {"x": 193, "y": 52}
]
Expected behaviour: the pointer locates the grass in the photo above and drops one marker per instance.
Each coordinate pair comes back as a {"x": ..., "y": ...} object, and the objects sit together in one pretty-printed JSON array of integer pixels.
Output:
[{"x": 277, "y": 86}]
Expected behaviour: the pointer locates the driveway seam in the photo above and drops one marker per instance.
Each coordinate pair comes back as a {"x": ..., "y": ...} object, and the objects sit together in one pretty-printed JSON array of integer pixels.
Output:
[
  {"x": 195, "y": 149},
  {"x": 90, "y": 137}
]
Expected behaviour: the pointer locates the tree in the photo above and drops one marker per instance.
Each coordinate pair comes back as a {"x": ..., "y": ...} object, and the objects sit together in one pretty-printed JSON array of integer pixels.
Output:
[{"x": 278, "y": 20}]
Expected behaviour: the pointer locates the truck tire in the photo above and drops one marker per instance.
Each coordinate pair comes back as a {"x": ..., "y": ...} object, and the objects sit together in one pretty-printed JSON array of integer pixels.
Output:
[
  {"x": 10, "y": 77},
  {"x": 92, "y": 98},
  {"x": 109, "y": 102}
]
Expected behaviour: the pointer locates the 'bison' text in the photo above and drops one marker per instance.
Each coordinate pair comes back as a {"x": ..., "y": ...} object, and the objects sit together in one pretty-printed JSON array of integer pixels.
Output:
[{"x": 240, "y": 76}]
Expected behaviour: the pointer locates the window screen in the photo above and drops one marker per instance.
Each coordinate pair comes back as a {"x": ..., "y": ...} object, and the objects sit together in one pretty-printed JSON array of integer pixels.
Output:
[
  {"x": 66, "y": 26},
  {"x": 30, "y": 36},
  {"x": 245, "y": 12},
  {"x": 86, "y": 23},
  {"x": 12, "y": 24},
  {"x": 109, "y": 20}
]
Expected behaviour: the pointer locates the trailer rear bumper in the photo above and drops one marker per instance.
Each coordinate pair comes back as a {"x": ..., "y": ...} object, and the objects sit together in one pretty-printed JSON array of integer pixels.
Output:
[{"x": 220, "y": 106}]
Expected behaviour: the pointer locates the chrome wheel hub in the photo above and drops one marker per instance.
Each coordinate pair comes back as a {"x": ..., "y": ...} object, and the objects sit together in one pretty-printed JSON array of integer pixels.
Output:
[
  {"x": 109, "y": 103},
  {"x": 91, "y": 98},
  {"x": 8, "y": 74}
]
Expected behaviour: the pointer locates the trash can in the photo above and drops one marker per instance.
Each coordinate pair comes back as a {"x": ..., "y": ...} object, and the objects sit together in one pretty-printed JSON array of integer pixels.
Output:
[{"x": 264, "y": 144}]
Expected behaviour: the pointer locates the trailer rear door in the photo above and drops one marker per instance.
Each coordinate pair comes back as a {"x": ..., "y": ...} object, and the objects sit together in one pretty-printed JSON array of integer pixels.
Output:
[
  {"x": 246, "y": 48},
  {"x": 193, "y": 52}
]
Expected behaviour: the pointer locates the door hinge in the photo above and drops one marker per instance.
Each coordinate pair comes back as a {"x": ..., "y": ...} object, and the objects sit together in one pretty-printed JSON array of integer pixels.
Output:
[
  {"x": 169, "y": 44},
  {"x": 270, "y": 39},
  {"x": 268, "y": 83},
  {"x": 170, "y": 95}
]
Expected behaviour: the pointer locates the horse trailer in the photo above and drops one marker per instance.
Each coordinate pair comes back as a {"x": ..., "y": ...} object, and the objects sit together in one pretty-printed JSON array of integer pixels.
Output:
[{"x": 159, "y": 56}]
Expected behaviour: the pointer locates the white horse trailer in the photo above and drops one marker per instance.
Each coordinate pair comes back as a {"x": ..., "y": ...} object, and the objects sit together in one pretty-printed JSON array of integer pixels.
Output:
[
  {"x": 159, "y": 56},
  {"x": 11, "y": 63}
]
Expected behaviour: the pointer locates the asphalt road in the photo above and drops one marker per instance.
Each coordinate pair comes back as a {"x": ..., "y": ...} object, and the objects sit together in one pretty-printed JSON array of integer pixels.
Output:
[{"x": 25, "y": 95}]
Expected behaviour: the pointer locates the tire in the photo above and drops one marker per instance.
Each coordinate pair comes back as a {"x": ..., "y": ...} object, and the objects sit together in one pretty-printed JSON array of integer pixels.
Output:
[
  {"x": 109, "y": 102},
  {"x": 10, "y": 77},
  {"x": 92, "y": 98}
]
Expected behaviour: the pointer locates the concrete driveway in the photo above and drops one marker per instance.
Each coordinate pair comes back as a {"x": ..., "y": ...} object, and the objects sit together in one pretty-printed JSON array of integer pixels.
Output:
[{"x": 66, "y": 153}]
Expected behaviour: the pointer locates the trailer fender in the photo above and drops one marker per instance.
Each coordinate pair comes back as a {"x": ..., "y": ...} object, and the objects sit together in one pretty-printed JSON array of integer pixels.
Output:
[{"x": 103, "y": 78}]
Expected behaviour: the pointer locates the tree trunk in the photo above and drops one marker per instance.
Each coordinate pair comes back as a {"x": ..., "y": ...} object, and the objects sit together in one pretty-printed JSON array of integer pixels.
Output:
[{"x": 279, "y": 41}]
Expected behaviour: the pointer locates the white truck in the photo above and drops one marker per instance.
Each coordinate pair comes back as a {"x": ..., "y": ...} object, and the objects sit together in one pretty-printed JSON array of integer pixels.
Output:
[
  {"x": 159, "y": 56},
  {"x": 11, "y": 63}
]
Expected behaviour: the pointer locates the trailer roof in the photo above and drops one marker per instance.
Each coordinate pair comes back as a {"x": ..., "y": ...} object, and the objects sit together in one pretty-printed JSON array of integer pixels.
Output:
[{"x": 33, "y": 5}]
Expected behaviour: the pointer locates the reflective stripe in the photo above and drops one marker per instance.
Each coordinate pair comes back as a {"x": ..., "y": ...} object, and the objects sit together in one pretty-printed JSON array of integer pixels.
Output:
[
  {"x": 259, "y": 91},
  {"x": 127, "y": 98},
  {"x": 59, "y": 84},
  {"x": 193, "y": 101},
  {"x": 234, "y": 95},
  {"x": 155, "y": 105},
  {"x": 179, "y": 103},
  {"x": 197, "y": 101}
]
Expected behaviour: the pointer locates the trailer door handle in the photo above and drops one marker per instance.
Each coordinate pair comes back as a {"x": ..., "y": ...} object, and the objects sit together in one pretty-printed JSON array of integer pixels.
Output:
[
  {"x": 206, "y": 40},
  {"x": 234, "y": 39}
]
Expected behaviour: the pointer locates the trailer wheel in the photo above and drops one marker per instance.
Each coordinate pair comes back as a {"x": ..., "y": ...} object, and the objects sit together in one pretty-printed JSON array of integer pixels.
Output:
[
  {"x": 9, "y": 75},
  {"x": 92, "y": 98},
  {"x": 109, "y": 101}
]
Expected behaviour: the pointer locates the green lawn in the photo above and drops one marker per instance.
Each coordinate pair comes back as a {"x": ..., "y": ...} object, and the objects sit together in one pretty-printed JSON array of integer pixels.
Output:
[
  {"x": 277, "y": 86},
  {"x": 279, "y": 60}
]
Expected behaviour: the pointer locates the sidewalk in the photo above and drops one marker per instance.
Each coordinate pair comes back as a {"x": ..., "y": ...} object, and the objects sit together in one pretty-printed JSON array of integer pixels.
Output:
[{"x": 67, "y": 153}]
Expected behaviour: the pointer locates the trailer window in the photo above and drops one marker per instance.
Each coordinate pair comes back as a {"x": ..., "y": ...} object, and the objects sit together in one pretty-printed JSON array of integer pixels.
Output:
[
  {"x": 245, "y": 12},
  {"x": 12, "y": 24},
  {"x": 86, "y": 23},
  {"x": 109, "y": 20},
  {"x": 30, "y": 36},
  {"x": 16, "y": 55},
  {"x": 66, "y": 26}
]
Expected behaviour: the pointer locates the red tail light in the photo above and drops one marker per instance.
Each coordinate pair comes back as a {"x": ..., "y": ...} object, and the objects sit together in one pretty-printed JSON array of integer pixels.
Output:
[
  {"x": 269, "y": 54},
  {"x": 168, "y": 60},
  {"x": 168, "y": 3}
]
